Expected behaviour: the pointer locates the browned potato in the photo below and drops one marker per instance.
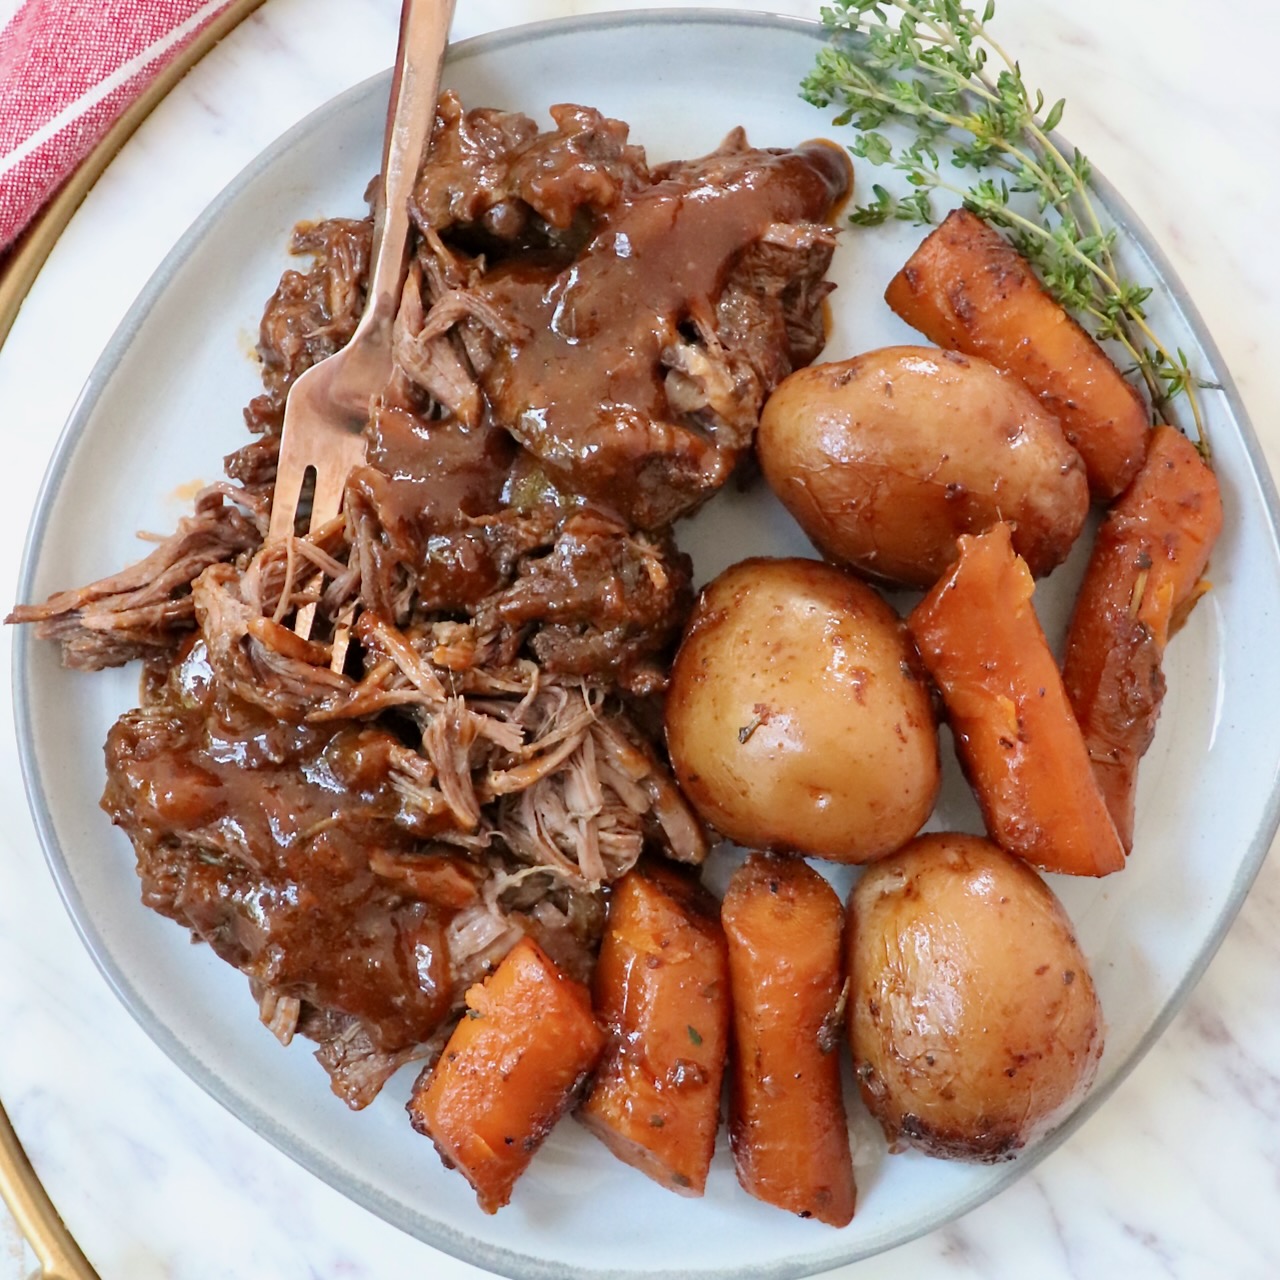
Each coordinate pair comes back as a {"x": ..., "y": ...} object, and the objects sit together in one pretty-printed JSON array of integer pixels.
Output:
[
  {"x": 796, "y": 718},
  {"x": 887, "y": 458},
  {"x": 972, "y": 1016}
]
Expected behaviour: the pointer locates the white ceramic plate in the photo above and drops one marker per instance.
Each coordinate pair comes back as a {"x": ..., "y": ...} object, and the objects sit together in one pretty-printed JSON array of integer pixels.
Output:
[{"x": 163, "y": 406}]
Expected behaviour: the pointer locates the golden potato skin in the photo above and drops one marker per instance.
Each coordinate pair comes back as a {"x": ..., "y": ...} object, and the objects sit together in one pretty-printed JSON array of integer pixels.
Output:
[
  {"x": 885, "y": 459},
  {"x": 797, "y": 719},
  {"x": 972, "y": 1015}
]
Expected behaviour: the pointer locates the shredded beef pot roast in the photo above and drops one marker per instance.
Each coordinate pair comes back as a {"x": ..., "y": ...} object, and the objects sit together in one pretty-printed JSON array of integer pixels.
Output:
[{"x": 583, "y": 348}]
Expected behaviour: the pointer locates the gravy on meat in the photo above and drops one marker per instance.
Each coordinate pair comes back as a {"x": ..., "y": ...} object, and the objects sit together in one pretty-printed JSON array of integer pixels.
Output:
[
  {"x": 583, "y": 384},
  {"x": 583, "y": 348}
]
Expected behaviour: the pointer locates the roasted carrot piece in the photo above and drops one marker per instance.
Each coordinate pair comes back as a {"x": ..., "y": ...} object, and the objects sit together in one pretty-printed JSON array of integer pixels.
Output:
[
  {"x": 662, "y": 990},
  {"x": 968, "y": 289},
  {"x": 1143, "y": 577},
  {"x": 1015, "y": 733},
  {"x": 787, "y": 1125},
  {"x": 510, "y": 1070}
]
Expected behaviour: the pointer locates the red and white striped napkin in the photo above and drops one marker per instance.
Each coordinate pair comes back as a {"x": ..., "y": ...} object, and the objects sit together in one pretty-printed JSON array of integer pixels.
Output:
[{"x": 68, "y": 68}]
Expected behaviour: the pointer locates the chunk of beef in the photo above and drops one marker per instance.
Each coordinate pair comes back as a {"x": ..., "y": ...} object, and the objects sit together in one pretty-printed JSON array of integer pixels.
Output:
[
  {"x": 584, "y": 163},
  {"x": 599, "y": 601},
  {"x": 258, "y": 836},
  {"x": 412, "y": 512},
  {"x": 357, "y": 1067},
  {"x": 579, "y": 591},
  {"x": 147, "y": 610},
  {"x": 312, "y": 314},
  {"x": 253, "y": 465},
  {"x": 585, "y": 388},
  {"x": 494, "y": 172},
  {"x": 772, "y": 300},
  {"x": 466, "y": 177}
]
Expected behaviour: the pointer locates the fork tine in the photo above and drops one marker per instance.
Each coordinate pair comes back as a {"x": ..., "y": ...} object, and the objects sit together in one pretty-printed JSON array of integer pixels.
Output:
[
  {"x": 291, "y": 470},
  {"x": 331, "y": 478},
  {"x": 347, "y": 452},
  {"x": 329, "y": 402}
]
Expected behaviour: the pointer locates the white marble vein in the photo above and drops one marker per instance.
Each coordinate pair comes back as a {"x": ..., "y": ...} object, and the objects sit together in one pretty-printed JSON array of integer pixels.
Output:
[{"x": 1177, "y": 1176}]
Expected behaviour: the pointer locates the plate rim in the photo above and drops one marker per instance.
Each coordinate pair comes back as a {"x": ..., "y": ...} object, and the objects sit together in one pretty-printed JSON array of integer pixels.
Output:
[{"x": 449, "y": 1239}]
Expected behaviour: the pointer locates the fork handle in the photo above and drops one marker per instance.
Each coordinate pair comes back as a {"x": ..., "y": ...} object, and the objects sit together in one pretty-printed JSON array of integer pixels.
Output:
[
  {"x": 415, "y": 86},
  {"x": 59, "y": 1256}
]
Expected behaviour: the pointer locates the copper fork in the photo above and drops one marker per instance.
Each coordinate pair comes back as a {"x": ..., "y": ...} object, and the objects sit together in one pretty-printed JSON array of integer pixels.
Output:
[{"x": 328, "y": 406}]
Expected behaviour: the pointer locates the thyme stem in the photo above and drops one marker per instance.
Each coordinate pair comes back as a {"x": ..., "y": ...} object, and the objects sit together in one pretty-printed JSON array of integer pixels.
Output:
[{"x": 930, "y": 70}]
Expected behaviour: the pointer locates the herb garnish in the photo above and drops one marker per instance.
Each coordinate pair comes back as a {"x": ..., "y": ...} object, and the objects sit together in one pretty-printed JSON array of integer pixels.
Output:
[{"x": 928, "y": 70}]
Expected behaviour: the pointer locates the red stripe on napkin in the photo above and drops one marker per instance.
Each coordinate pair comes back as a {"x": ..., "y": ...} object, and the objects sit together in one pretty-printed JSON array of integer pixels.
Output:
[{"x": 68, "y": 68}]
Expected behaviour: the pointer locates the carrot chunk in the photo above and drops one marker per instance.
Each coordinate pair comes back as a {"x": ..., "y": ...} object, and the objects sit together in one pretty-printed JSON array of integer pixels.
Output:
[
  {"x": 1142, "y": 580},
  {"x": 968, "y": 289},
  {"x": 662, "y": 990},
  {"x": 511, "y": 1068},
  {"x": 787, "y": 1124},
  {"x": 1014, "y": 729}
]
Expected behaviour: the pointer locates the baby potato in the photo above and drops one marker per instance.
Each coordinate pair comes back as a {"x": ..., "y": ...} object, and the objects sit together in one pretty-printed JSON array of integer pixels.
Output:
[
  {"x": 885, "y": 459},
  {"x": 797, "y": 718},
  {"x": 972, "y": 1016}
]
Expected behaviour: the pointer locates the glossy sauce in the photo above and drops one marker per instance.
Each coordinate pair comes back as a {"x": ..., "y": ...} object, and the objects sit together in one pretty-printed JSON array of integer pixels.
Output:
[
  {"x": 426, "y": 479},
  {"x": 583, "y": 386},
  {"x": 261, "y": 835}
]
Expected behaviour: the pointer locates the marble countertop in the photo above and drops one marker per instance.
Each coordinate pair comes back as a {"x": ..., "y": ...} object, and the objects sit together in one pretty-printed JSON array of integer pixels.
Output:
[{"x": 1177, "y": 1175}]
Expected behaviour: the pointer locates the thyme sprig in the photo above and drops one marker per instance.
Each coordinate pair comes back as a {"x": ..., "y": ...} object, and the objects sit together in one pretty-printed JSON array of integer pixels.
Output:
[{"x": 936, "y": 69}]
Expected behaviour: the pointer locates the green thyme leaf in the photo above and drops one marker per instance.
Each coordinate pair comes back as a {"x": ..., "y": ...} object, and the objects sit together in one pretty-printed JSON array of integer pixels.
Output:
[{"x": 929, "y": 71}]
